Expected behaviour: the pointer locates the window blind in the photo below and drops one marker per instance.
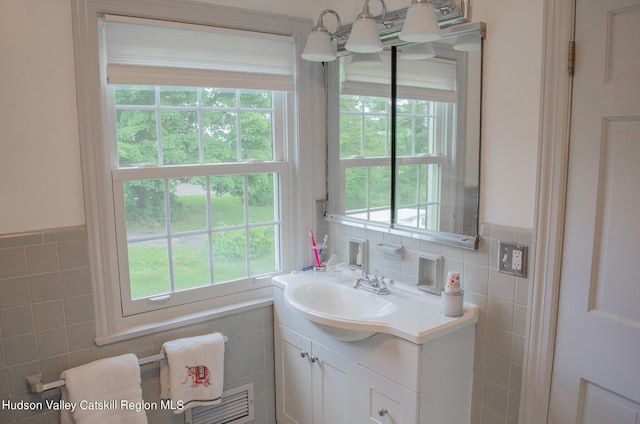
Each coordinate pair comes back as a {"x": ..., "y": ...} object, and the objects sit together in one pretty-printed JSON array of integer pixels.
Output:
[
  {"x": 153, "y": 52},
  {"x": 431, "y": 79}
]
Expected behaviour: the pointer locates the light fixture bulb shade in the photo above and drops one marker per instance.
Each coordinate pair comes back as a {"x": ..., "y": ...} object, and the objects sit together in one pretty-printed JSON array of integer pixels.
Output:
[
  {"x": 417, "y": 51},
  {"x": 319, "y": 47},
  {"x": 365, "y": 60},
  {"x": 468, "y": 43},
  {"x": 364, "y": 37},
  {"x": 421, "y": 24}
]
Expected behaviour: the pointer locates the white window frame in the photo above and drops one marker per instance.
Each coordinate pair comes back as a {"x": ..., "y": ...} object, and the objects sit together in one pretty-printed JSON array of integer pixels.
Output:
[
  {"x": 278, "y": 166},
  {"x": 297, "y": 204}
]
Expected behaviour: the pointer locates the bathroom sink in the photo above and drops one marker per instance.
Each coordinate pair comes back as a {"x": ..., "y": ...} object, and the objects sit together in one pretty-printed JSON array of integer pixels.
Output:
[
  {"x": 337, "y": 301},
  {"x": 349, "y": 314},
  {"x": 338, "y": 309}
]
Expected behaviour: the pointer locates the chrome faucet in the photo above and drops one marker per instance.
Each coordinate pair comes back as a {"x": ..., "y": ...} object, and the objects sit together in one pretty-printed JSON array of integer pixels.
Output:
[{"x": 373, "y": 284}]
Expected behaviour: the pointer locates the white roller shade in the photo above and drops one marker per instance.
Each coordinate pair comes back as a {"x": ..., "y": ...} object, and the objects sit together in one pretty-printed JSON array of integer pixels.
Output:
[
  {"x": 147, "y": 51},
  {"x": 429, "y": 79}
]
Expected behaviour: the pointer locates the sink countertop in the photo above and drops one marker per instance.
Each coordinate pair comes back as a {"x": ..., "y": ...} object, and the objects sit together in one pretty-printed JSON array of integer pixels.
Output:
[{"x": 416, "y": 318}]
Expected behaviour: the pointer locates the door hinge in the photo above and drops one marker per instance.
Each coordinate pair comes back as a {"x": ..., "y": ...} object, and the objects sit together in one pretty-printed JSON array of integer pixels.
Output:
[{"x": 571, "y": 62}]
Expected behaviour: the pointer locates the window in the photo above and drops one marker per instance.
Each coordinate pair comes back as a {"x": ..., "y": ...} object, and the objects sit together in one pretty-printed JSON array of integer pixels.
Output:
[
  {"x": 189, "y": 132},
  {"x": 424, "y": 128},
  {"x": 197, "y": 171},
  {"x": 185, "y": 221}
]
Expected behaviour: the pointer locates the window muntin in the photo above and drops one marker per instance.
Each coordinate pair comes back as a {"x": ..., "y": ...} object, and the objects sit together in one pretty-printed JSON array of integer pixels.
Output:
[
  {"x": 188, "y": 125},
  {"x": 422, "y": 132},
  {"x": 418, "y": 196},
  {"x": 364, "y": 126},
  {"x": 422, "y": 141},
  {"x": 199, "y": 185}
]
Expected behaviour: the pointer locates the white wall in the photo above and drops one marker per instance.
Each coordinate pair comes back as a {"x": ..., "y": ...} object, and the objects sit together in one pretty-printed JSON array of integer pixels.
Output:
[
  {"x": 40, "y": 181},
  {"x": 298, "y": 8},
  {"x": 511, "y": 109}
]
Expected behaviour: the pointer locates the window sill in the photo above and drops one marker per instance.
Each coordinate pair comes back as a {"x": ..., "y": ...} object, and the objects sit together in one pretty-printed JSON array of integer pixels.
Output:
[{"x": 184, "y": 320}]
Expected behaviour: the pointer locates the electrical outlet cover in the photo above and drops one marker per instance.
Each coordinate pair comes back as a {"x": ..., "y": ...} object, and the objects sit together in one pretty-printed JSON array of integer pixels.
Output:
[{"x": 512, "y": 258}]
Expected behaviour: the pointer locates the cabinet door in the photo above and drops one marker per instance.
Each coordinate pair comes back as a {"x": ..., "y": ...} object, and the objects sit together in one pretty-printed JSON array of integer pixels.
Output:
[
  {"x": 293, "y": 377},
  {"x": 330, "y": 395},
  {"x": 379, "y": 400}
]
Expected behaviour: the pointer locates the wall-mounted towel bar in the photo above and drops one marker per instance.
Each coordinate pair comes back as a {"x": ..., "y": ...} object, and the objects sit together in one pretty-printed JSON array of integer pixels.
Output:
[{"x": 37, "y": 386}]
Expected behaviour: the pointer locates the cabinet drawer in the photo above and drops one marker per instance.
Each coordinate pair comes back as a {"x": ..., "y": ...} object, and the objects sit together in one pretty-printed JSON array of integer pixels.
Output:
[{"x": 379, "y": 400}]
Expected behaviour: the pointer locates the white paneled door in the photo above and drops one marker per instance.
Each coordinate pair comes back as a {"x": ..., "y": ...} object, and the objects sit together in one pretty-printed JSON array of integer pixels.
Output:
[{"x": 596, "y": 372}]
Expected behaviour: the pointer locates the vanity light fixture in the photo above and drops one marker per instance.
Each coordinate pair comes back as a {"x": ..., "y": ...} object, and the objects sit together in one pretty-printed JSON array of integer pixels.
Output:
[
  {"x": 364, "y": 37},
  {"x": 320, "y": 46},
  {"x": 417, "y": 51},
  {"x": 468, "y": 43},
  {"x": 365, "y": 60},
  {"x": 421, "y": 24}
]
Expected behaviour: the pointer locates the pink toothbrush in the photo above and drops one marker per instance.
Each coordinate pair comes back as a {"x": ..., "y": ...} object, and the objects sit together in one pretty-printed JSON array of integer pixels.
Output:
[{"x": 315, "y": 249}]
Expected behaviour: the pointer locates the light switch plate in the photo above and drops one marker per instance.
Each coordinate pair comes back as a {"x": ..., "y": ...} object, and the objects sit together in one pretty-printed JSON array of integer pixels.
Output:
[{"x": 512, "y": 258}]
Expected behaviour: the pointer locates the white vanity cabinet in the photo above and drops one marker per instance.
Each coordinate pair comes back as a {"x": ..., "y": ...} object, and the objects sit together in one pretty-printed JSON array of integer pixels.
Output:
[
  {"x": 293, "y": 376},
  {"x": 311, "y": 380},
  {"x": 382, "y": 379},
  {"x": 316, "y": 385}
]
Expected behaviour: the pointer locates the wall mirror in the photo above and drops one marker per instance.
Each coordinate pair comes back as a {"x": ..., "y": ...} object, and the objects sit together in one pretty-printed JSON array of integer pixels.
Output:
[{"x": 404, "y": 137}]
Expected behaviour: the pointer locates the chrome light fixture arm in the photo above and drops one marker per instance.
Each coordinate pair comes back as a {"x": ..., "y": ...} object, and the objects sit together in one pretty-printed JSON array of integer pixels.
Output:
[
  {"x": 367, "y": 14},
  {"x": 320, "y": 25}
]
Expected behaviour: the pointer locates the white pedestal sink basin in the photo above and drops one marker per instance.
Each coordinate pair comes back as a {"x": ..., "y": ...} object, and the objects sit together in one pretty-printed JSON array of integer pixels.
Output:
[
  {"x": 339, "y": 301},
  {"x": 350, "y": 314},
  {"x": 330, "y": 306}
]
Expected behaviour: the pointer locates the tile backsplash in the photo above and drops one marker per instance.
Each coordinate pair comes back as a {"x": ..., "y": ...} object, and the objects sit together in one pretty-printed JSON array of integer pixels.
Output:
[
  {"x": 501, "y": 298},
  {"x": 47, "y": 325}
]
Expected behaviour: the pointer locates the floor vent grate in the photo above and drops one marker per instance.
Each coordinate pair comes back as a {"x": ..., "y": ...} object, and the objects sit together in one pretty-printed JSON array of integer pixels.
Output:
[{"x": 236, "y": 407}]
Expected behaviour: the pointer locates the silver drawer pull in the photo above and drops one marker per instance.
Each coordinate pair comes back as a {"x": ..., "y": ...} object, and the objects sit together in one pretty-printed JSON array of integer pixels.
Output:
[
  {"x": 314, "y": 359},
  {"x": 382, "y": 412},
  {"x": 304, "y": 354}
]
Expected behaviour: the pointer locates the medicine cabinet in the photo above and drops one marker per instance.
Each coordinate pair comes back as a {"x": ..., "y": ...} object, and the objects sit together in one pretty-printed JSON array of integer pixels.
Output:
[{"x": 404, "y": 137}]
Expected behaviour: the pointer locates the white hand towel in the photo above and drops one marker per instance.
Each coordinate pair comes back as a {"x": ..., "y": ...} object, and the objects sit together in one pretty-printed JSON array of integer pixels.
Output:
[
  {"x": 193, "y": 373},
  {"x": 106, "y": 391}
]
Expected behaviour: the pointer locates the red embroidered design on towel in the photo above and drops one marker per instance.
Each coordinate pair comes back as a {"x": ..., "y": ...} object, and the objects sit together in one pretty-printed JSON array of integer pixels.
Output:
[{"x": 199, "y": 375}]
